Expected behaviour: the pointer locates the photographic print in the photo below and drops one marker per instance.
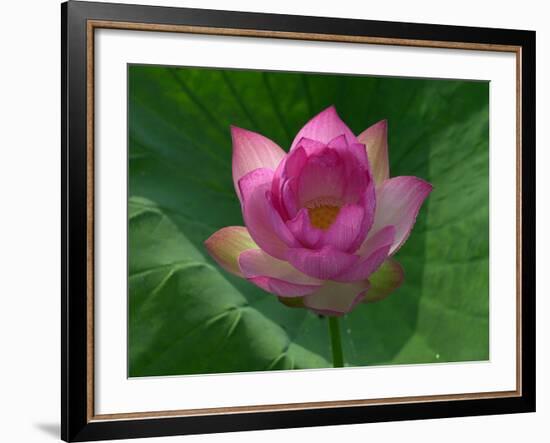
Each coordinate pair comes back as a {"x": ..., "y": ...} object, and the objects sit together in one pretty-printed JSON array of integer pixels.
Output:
[{"x": 292, "y": 220}]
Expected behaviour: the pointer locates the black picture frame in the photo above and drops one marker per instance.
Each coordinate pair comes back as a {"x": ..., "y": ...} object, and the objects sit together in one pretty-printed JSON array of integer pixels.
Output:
[{"x": 76, "y": 423}]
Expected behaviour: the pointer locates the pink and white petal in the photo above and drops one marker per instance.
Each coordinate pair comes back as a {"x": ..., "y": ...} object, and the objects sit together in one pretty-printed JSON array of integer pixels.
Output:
[
  {"x": 254, "y": 179},
  {"x": 367, "y": 200},
  {"x": 398, "y": 201},
  {"x": 386, "y": 280},
  {"x": 261, "y": 179},
  {"x": 335, "y": 299},
  {"x": 278, "y": 224},
  {"x": 276, "y": 276},
  {"x": 323, "y": 264},
  {"x": 324, "y": 127},
  {"x": 338, "y": 143},
  {"x": 282, "y": 288},
  {"x": 310, "y": 146},
  {"x": 262, "y": 220},
  {"x": 255, "y": 262},
  {"x": 347, "y": 232},
  {"x": 289, "y": 198},
  {"x": 356, "y": 182},
  {"x": 294, "y": 163},
  {"x": 355, "y": 152},
  {"x": 227, "y": 244},
  {"x": 302, "y": 229},
  {"x": 252, "y": 151},
  {"x": 287, "y": 170},
  {"x": 322, "y": 176},
  {"x": 376, "y": 140},
  {"x": 373, "y": 253},
  {"x": 359, "y": 152},
  {"x": 357, "y": 172}
]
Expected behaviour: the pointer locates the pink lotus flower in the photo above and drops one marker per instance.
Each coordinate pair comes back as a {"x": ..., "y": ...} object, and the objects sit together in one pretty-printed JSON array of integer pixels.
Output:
[{"x": 320, "y": 220}]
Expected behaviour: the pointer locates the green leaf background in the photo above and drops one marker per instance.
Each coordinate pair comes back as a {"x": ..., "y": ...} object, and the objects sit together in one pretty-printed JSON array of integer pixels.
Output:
[{"x": 188, "y": 316}]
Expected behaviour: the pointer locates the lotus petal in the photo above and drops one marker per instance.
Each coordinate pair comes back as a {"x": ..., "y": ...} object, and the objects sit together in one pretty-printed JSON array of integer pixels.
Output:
[
  {"x": 227, "y": 244},
  {"x": 355, "y": 152},
  {"x": 303, "y": 231},
  {"x": 348, "y": 230},
  {"x": 310, "y": 146},
  {"x": 276, "y": 276},
  {"x": 373, "y": 253},
  {"x": 252, "y": 151},
  {"x": 386, "y": 280},
  {"x": 376, "y": 140},
  {"x": 323, "y": 264},
  {"x": 398, "y": 201},
  {"x": 323, "y": 176},
  {"x": 287, "y": 172},
  {"x": 335, "y": 299},
  {"x": 262, "y": 220},
  {"x": 324, "y": 127}
]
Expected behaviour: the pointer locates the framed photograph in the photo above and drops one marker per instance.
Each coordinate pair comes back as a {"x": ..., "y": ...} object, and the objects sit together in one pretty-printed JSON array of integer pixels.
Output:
[{"x": 277, "y": 221}]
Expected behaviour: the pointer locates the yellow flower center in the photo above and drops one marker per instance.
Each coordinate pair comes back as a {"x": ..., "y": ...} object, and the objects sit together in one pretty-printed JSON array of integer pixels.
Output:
[{"x": 323, "y": 216}]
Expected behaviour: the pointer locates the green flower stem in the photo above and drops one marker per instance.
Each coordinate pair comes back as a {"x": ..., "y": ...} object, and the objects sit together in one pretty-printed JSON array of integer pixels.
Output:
[{"x": 335, "y": 342}]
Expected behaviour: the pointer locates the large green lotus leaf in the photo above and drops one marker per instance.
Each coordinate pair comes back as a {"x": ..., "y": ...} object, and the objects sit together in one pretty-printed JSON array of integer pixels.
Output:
[
  {"x": 186, "y": 316},
  {"x": 189, "y": 316}
]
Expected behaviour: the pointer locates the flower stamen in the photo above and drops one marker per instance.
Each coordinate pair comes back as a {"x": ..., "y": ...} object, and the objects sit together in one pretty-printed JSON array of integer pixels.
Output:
[{"x": 323, "y": 216}]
